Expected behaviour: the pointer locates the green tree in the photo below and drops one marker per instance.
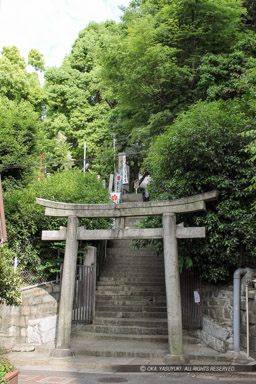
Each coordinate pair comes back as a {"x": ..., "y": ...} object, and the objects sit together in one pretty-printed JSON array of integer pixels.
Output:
[
  {"x": 202, "y": 151},
  {"x": 250, "y": 19},
  {"x": 76, "y": 107},
  {"x": 25, "y": 219},
  {"x": 35, "y": 58},
  {"x": 221, "y": 76},
  {"x": 150, "y": 62},
  {"x": 18, "y": 127},
  {"x": 22, "y": 102},
  {"x": 248, "y": 85},
  {"x": 16, "y": 83}
]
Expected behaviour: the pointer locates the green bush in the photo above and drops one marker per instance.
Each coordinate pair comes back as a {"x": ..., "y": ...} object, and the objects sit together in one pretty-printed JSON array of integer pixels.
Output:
[
  {"x": 202, "y": 151},
  {"x": 10, "y": 280},
  {"x": 25, "y": 219},
  {"x": 5, "y": 366}
]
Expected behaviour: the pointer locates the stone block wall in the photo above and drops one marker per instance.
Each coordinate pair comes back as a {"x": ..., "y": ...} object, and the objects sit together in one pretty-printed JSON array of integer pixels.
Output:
[
  {"x": 34, "y": 321},
  {"x": 217, "y": 329},
  {"x": 217, "y": 307},
  {"x": 218, "y": 303},
  {"x": 252, "y": 322}
]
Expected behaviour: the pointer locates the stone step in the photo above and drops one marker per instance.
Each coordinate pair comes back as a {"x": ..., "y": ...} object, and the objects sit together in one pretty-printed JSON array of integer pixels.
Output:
[
  {"x": 121, "y": 348},
  {"x": 131, "y": 315},
  {"x": 121, "y": 284},
  {"x": 151, "y": 299},
  {"x": 136, "y": 330},
  {"x": 136, "y": 304},
  {"x": 115, "y": 290},
  {"x": 130, "y": 308},
  {"x": 133, "y": 270},
  {"x": 131, "y": 252},
  {"x": 120, "y": 271},
  {"x": 139, "y": 255},
  {"x": 139, "y": 266},
  {"x": 129, "y": 280},
  {"x": 133, "y": 261},
  {"x": 141, "y": 258},
  {"x": 132, "y": 301},
  {"x": 141, "y": 277},
  {"x": 124, "y": 256},
  {"x": 78, "y": 332},
  {"x": 127, "y": 274},
  {"x": 133, "y": 322},
  {"x": 81, "y": 334},
  {"x": 124, "y": 352},
  {"x": 116, "y": 271},
  {"x": 130, "y": 271}
]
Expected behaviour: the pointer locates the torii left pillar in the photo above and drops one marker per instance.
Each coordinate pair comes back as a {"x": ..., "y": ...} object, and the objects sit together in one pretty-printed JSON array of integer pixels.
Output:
[{"x": 67, "y": 291}]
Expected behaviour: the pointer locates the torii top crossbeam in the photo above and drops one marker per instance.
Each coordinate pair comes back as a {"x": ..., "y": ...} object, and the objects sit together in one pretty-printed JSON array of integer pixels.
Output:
[{"x": 190, "y": 204}]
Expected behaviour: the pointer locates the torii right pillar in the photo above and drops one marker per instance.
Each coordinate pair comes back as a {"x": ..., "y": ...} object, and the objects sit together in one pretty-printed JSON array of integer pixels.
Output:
[{"x": 172, "y": 281}]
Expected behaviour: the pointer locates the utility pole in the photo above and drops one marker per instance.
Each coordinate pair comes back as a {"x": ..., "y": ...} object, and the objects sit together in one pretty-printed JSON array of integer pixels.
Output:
[
  {"x": 114, "y": 146},
  {"x": 84, "y": 157},
  {"x": 3, "y": 234}
]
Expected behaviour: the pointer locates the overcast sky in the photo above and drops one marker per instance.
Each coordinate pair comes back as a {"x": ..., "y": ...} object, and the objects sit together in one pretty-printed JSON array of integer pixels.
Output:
[{"x": 51, "y": 26}]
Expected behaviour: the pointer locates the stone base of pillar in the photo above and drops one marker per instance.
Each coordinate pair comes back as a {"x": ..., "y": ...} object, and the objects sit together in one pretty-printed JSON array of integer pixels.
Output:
[
  {"x": 60, "y": 353},
  {"x": 176, "y": 359}
]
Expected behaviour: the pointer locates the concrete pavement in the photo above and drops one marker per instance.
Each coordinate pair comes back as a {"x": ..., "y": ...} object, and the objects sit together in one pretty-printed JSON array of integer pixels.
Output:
[
  {"x": 40, "y": 358},
  {"x": 57, "y": 377}
]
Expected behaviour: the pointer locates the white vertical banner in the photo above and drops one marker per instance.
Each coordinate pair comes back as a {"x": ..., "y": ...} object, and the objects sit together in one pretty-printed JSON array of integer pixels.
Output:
[
  {"x": 124, "y": 171},
  {"x": 118, "y": 182}
]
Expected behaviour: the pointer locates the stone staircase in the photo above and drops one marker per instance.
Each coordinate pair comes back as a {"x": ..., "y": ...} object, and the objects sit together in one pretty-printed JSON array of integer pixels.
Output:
[{"x": 130, "y": 306}]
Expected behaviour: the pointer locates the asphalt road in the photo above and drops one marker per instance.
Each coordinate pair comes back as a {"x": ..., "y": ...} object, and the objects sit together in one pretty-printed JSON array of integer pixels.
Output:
[{"x": 70, "y": 377}]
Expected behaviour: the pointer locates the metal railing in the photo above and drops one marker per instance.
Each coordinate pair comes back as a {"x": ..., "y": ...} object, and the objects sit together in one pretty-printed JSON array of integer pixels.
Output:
[
  {"x": 191, "y": 290},
  {"x": 84, "y": 297}
]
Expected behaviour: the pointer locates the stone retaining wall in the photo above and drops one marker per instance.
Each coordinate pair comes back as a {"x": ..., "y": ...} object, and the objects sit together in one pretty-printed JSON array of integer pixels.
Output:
[
  {"x": 34, "y": 321},
  {"x": 252, "y": 321},
  {"x": 217, "y": 330},
  {"x": 218, "y": 303}
]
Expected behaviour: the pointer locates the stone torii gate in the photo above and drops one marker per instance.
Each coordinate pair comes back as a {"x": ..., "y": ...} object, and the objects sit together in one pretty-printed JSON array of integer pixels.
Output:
[{"x": 170, "y": 232}]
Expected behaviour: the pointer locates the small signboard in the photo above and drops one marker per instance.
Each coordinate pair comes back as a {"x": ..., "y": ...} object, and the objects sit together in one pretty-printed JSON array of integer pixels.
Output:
[
  {"x": 197, "y": 297},
  {"x": 115, "y": 197}
]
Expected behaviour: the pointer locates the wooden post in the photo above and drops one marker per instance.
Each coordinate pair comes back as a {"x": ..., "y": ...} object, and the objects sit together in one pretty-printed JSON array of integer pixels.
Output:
[{"x": 3, "y": 234}]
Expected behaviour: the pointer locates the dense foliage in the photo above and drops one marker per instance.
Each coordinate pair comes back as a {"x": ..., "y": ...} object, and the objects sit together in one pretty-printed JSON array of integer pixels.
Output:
[
  {"x": 18, "y": 126},
  {"x": 25, "y": 219},
  {"x": 75, "y": 105},
  {"x": 203, "y": 151}
]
